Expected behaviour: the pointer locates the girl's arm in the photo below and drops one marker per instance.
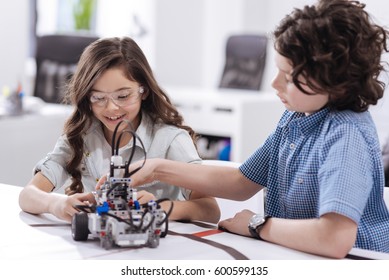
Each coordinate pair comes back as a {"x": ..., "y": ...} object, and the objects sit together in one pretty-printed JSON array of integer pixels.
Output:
[
  {"x": 199, "y": 207},
  {"x": 37, "y": 198}
]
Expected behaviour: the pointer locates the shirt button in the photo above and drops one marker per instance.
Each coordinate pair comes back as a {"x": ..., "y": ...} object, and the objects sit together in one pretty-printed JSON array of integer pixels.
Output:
[
  {"x": 300, "y": 180},
  {"x": 292, "y": 146}
]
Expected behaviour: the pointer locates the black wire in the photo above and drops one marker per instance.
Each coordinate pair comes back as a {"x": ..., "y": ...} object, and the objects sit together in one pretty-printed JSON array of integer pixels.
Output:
[
  {"x": 142, "y": 218},
  {"x": 117, "y": 218},
  {"x": 130, "y": 214},
  {"x": 127, "y": 164},
  {"x": 115, "y": 151},
  {"x": 126, "y": 172},
  {"x": 113, "y": 188},
  {"x": 167, "y": 214},
  {"x": 120, "y": 137},
  {"x": 113, "y": 139},
  {"x": 85, "y": 208},
  {"x": 114, "y": 135},
  {"x": 151, "y": 222},
  {"x": 131, "y": 222},
  {"x": 158, "y": 201},
  {"x": 116, "y": 143},
  {"x": 92, "y": 209}
]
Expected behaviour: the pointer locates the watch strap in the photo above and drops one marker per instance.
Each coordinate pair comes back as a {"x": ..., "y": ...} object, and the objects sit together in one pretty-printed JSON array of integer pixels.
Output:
[{"x": 255, "y": 232}]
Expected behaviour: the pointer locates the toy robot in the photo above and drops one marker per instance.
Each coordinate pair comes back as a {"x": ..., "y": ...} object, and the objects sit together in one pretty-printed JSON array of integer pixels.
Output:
[{"x": 118, "y": 218}]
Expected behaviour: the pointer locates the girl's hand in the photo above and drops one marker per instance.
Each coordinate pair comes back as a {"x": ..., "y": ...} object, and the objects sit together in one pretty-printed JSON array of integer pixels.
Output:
[
  {"x": 64, "y": 206},
  {"x": 144, "y": 197}
]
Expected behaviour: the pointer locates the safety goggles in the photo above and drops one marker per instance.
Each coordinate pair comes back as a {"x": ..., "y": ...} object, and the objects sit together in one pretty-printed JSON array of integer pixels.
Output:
[{"x": 122, "y": 98}]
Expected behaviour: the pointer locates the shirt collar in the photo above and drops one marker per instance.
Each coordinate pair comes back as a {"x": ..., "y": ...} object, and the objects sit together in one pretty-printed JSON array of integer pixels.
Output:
[
  {"x": 144, "y": 131},
  {"x": 306, "y": 124}
]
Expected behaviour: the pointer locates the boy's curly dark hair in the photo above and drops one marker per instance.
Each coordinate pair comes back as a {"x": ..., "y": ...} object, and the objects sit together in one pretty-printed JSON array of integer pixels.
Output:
[{"x": 336, "y": 47}]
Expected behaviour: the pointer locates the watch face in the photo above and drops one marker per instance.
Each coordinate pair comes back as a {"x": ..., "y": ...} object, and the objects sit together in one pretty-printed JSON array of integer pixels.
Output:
[{"x": 256, "y": 220}]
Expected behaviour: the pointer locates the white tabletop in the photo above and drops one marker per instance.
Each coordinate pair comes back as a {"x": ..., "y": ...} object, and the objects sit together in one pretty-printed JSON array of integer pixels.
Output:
[{"x": 33, "y": 237}]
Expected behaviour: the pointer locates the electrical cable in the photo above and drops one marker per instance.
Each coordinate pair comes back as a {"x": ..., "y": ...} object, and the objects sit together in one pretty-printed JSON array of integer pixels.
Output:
[{"x": 84, "y": 208}]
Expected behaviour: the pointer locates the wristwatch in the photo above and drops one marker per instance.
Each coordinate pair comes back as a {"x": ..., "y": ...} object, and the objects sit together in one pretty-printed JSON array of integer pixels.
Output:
[{"x": 256, "y": 223}]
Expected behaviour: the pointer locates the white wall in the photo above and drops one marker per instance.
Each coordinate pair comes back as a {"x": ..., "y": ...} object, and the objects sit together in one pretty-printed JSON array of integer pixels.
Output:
[
  {"x": 191, "y": 35},
  {"x": 380, "y": 112},
  {"x": 186, "y": 38},
  {"x": 190, "y": 41},
  {"x": 14, "y": 41}
]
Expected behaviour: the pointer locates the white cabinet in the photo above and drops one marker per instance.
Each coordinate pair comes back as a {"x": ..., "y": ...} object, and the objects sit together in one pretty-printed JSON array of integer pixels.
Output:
[
  {"x": 246, "y": 117},
  {"x": 27, "y": 138}
]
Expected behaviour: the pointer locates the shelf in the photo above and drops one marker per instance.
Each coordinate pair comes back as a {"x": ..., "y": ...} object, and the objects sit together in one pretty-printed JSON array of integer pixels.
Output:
[
  {"x": 245, "y": 117},
  {"x": 213, "y": 147}
]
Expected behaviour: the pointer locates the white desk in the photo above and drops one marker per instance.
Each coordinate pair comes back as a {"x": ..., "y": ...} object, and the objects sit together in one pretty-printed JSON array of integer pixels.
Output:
[
  {"x": 43, "y": 237},
  {"x": 27, "y": 138}
]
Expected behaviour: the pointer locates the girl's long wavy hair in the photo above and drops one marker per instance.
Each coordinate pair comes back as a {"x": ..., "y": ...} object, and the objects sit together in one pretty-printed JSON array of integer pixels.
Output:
[
  {"x": 337, "y": 48},
  {"x": 99, "y": 56}
]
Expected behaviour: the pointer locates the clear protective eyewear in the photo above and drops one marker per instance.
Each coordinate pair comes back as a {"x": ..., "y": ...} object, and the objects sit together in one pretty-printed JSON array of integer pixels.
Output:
[{"x": 121, "y": 98}]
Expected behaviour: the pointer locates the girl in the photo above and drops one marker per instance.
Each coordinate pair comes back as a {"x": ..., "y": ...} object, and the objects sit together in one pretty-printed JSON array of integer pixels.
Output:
[{"x": 114, "y": 82}]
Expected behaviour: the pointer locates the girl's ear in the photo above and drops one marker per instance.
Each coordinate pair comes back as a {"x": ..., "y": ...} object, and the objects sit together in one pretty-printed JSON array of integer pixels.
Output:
[{"x": 143, "y": 92}]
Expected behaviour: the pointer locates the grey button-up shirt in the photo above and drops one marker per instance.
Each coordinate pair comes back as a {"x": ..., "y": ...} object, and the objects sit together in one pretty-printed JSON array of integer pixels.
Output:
[{"x": 160, "y": 141}]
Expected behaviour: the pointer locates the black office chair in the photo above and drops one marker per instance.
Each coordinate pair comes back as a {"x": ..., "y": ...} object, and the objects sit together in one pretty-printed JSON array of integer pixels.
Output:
[
  {"x": 56, "y": 60},
  {"x": 385, "y": 159},
  {"x": 245, "y": 62}
]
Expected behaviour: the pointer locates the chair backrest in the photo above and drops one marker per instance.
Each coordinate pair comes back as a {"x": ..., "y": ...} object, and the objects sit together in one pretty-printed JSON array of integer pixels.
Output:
[
  {"x": 385, "y": 159},
  {"x": 386, "y": 196},
  {"x": 56, "y": 59},
  {"x": 245, "y": 62}
]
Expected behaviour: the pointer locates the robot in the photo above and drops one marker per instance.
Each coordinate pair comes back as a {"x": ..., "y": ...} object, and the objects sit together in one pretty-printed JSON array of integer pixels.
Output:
[{"x": 118, "y": 218}]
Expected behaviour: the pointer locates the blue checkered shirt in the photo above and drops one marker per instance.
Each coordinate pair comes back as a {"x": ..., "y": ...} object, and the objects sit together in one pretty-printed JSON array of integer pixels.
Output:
[{"x": 327, "y": 162}]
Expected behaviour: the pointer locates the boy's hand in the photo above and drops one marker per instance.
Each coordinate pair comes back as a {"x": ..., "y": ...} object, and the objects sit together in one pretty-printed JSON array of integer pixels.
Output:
[{"x": 239, "y": 223}]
